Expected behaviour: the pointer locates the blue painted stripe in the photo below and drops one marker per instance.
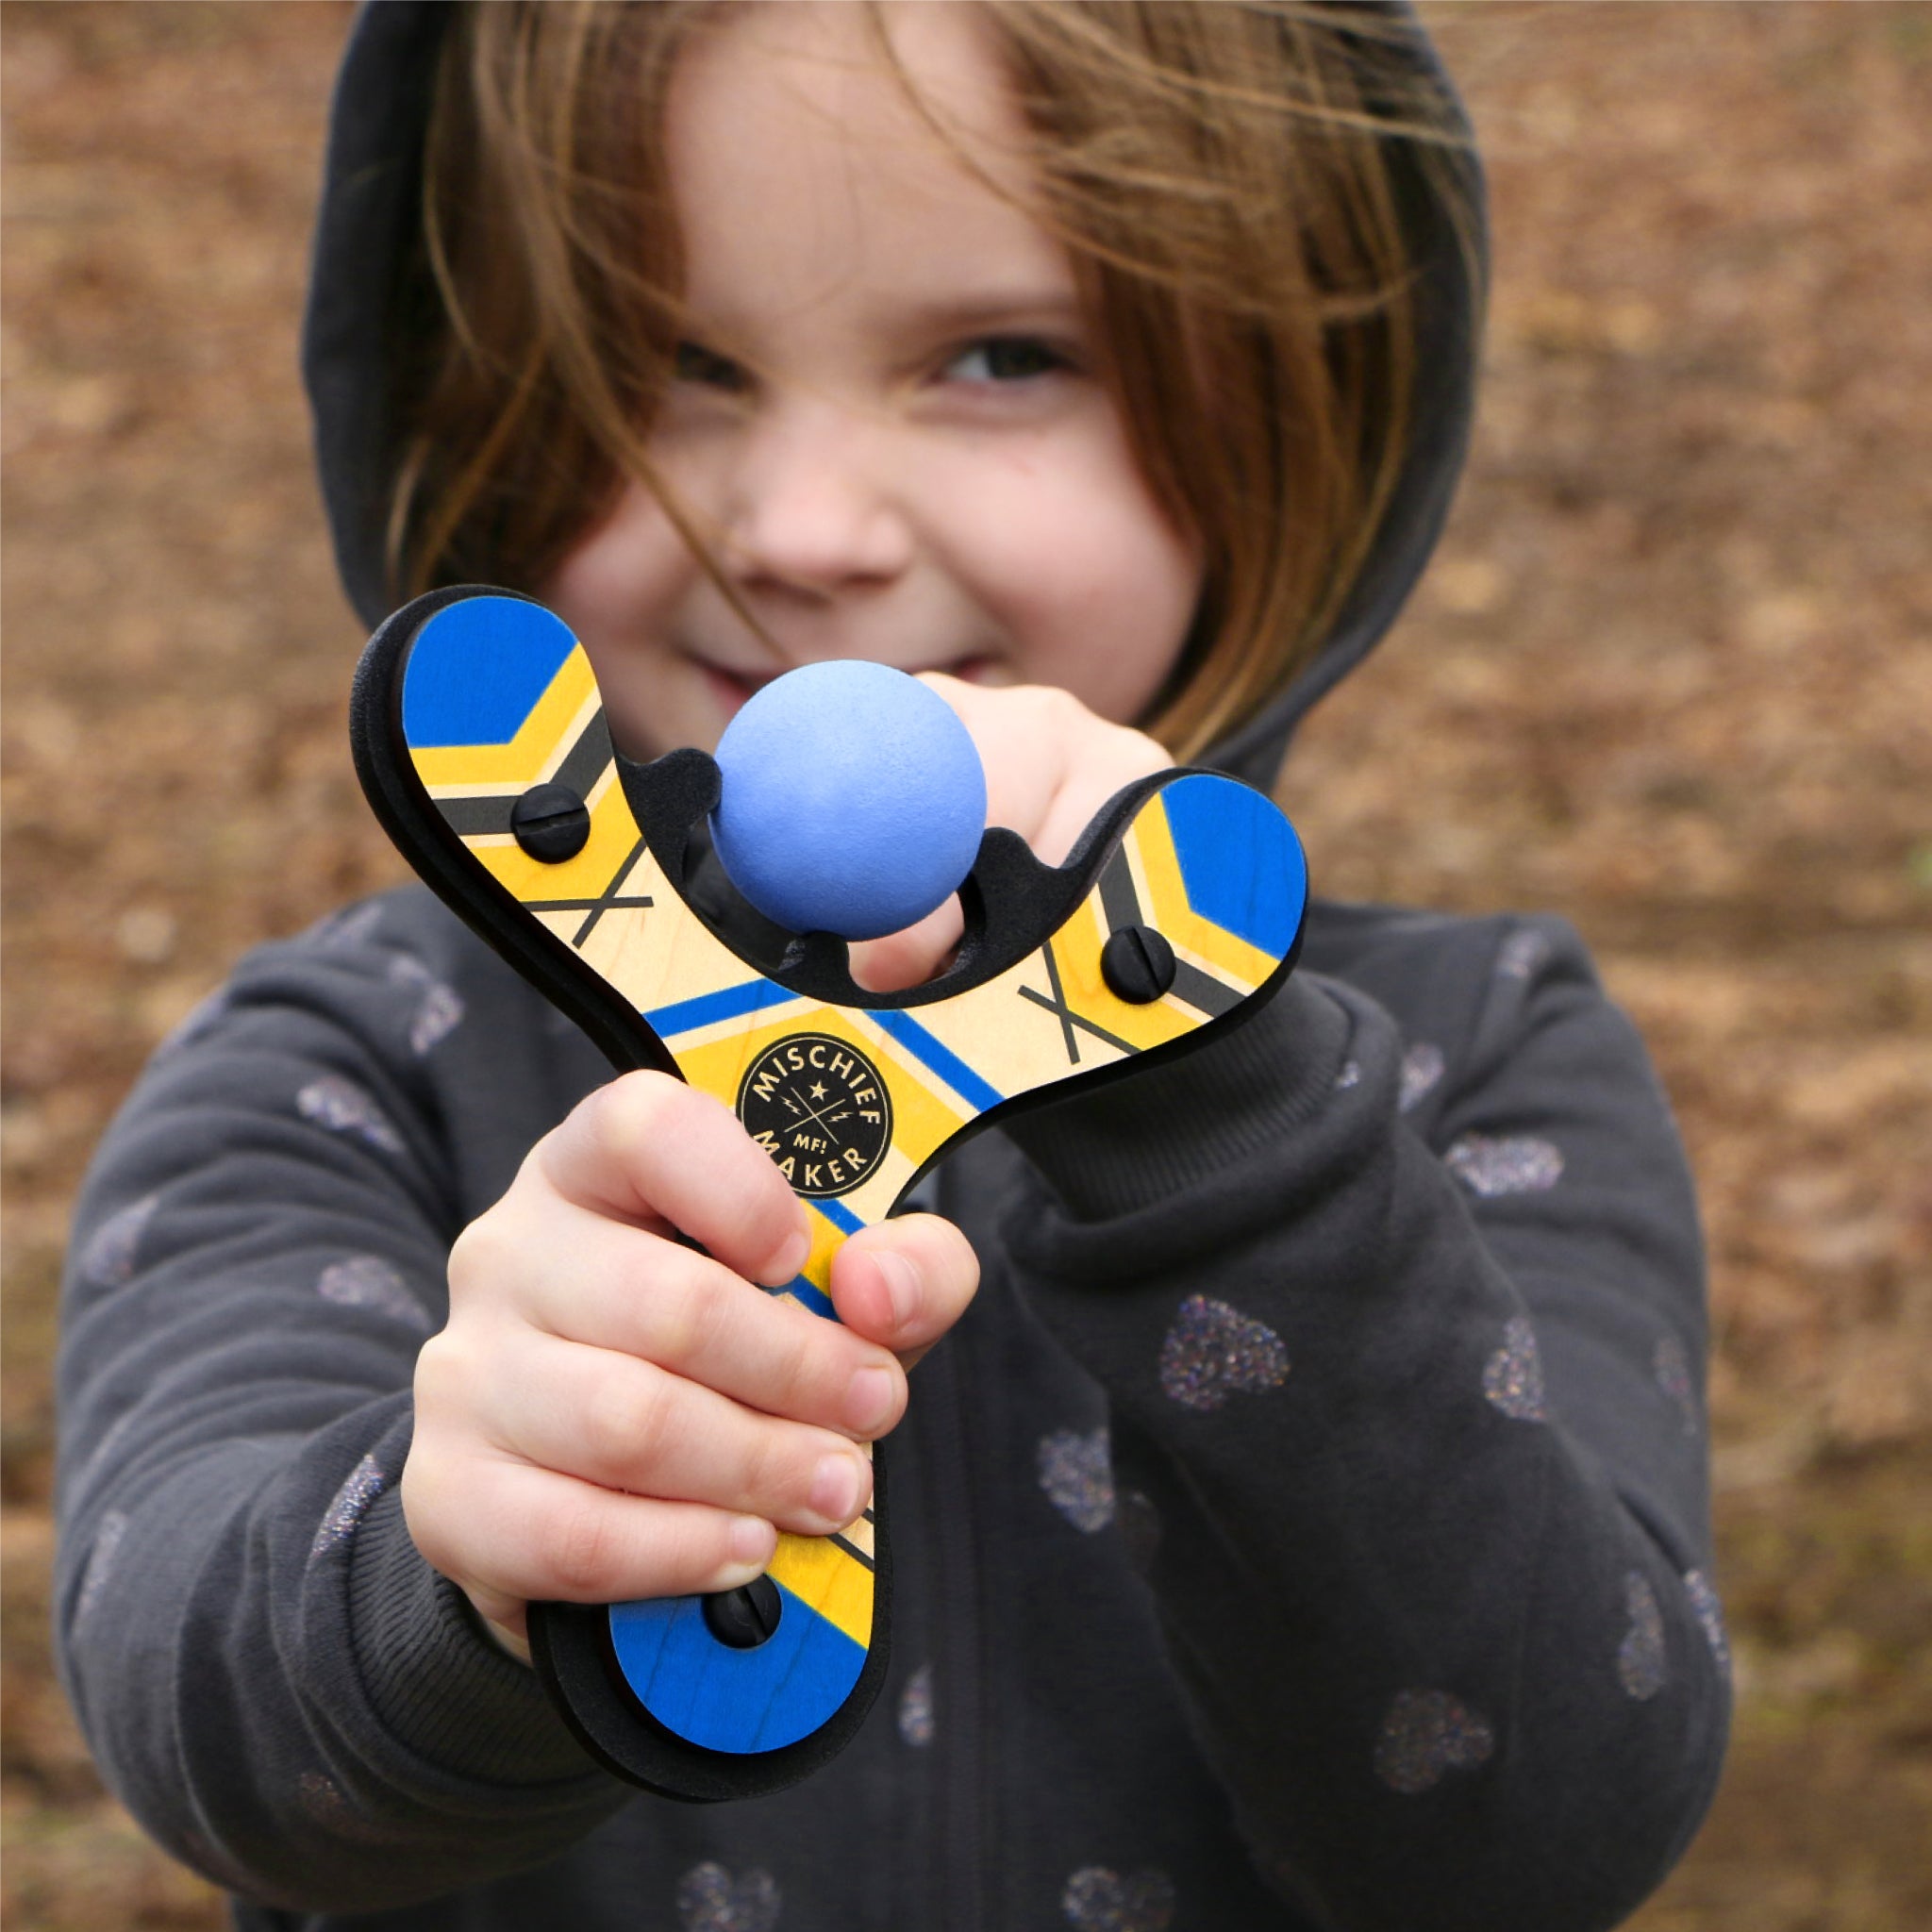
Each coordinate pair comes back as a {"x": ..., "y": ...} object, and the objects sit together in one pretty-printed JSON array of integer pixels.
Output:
[
  {"x": 940, "y": 1059},
  {"x": 686, "y": 1016},
  {"x": 813, "y": 1298},
  {"x": 841, "y": 1218},
  {"x": 735, "y": 1700}
]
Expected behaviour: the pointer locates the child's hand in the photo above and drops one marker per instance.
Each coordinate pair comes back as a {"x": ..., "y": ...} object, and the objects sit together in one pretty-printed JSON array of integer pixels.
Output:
[
  {"x": 611, "y": 1415},
  {"x": 1050, "y": 765}
]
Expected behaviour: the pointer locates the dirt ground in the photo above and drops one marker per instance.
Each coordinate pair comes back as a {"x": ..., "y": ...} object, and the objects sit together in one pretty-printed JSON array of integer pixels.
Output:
[{"x": 1671, "y": 676}]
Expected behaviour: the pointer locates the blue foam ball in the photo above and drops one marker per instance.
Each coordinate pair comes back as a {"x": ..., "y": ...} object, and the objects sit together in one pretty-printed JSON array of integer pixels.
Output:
[{"x": 853, "y": 800}]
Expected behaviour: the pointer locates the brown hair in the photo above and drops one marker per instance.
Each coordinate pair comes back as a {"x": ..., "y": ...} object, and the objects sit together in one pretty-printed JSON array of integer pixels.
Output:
[{"x": 1222, "y": 177}]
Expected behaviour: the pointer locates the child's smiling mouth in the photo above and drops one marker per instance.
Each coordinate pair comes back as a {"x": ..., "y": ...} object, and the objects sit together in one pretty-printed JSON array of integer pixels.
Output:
[{"x": 732, "y": 688}]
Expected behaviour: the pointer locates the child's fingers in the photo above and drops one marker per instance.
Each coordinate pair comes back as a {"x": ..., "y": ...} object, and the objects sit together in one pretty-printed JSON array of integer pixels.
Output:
[
  {"x": 909, "y": 958},
  {"x": 518, "y": 1535},
  {"x": 904, "y": 1282},
  {"x": 1109, "y": 758},
  {"x": 1050, "y": 766},
  {"x": 627, "y": 1424},
  {"x": 1022, "y": 734},
  {"x": 649, "y": 1149},
  {"x": 1050, "y": 763},
  {"x": 627, "y": 1290}
]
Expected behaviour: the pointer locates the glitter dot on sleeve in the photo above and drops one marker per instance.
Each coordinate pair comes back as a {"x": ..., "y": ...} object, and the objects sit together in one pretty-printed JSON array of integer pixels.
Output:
[
  {"x": 1672, "y": 1368},
  {"x": 915, "y": 1708},
  {"x": 319, "y": 1796},
  {"x": 1214, "y": 1351},
  {"x": 1077, "y": 1477},
  {"x": 1350, "y": 1075},
  {"x": 1513, "y": 1376},
  {"x": 367, "y": 1281},
  {"x": 1710, "y": 1616},
  {"x": 1492, "y": 1165},
  {"x": 1422, "y": 1067},
  {"x": 321, "y": 1800},
  {"x": 439, "y": 1008},
  {"x": 1099, "y": 1899},
  {"x": 344, "y": 1108},
  {"x": 100, "y": 1562},
  {"x": 1640, "y": 1655},
  {"x": 348, "y": 1506},
  {"x": 1521, "y": 954},
  {"x": 439, "y": 1016},
  {"x": 108, "y": 1260},
  {"x": 1426, "y": 1735},
  {"x": 712, "y": 1898}
]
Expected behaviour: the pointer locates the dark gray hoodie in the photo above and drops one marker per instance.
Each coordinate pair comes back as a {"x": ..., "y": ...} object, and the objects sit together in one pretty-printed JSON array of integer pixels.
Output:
[{"x": 1307, "y": 1527}]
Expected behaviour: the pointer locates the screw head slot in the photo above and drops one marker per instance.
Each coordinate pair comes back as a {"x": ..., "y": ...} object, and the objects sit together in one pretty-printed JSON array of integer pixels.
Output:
[
  {"x": 551, "y": 822},
  {"x": 746, "y": 1617},
  {"x": 1138, "y": 964}
]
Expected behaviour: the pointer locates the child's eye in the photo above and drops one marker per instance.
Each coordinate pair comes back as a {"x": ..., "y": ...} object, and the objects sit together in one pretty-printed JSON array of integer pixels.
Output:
[
  {"x": 694, "y": 363},
  {"x": 1006, "y": 359}
]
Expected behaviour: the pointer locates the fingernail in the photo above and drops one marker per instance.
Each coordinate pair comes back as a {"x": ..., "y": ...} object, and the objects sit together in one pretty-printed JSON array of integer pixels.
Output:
[
  {"x": 869, "y": 1399},
  {"x": 837, "y": 1485},
  {"x": 752, "y": 1544},
  {"x": 901, "y": 1285},
  {"x": 785, "y": 1265}
]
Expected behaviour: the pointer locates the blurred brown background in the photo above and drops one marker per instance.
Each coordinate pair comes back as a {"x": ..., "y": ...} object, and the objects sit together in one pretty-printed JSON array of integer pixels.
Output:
[{"x": 1672, "y": 675}]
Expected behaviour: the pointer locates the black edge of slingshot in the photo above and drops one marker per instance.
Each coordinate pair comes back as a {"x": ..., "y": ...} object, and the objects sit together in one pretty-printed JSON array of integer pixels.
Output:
[{"x": 572, "y": 1651}]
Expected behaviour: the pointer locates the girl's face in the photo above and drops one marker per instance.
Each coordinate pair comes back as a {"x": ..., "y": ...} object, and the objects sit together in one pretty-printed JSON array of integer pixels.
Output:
[{"x": 889, "y": 423}]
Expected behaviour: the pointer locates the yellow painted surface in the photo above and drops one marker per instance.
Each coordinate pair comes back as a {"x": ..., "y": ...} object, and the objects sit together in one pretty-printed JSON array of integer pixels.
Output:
[
  {"x": 555, "y": 721},
  {"x": 614, "y": 837},
  {"x": 838, "y": 1587}
]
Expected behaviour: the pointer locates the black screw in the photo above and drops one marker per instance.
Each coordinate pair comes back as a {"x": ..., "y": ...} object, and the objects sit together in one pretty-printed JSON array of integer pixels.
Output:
[
  {"x": 743, "y": 1618},
  {"x": 1137, "y": 963},
  {"x": 551, "y": 822}
]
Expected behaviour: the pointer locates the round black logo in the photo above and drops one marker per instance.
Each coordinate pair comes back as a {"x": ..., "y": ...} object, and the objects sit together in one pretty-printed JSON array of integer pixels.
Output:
[{"x": 817, "y": 1106}]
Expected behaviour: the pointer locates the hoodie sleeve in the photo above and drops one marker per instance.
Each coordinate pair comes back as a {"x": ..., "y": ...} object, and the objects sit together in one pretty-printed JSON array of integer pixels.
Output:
[
  {"x": 271, "y": 1677},
  {"x": 1403, "y": 1340}
]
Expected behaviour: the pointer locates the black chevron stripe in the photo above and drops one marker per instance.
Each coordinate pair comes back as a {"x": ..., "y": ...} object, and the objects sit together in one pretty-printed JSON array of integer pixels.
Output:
[{"x": 582, "y": 766}]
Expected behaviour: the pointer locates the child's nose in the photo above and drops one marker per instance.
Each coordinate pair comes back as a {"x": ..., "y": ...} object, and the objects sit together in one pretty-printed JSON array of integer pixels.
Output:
[{"x": 810, "y": 508}]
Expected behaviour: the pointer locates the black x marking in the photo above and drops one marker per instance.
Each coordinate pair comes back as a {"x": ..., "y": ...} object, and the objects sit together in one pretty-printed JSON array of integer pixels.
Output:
[
  {"x": 1058, "y": 1005},
  {"x": 606, "y": 903},
  {"x": 1069, "y": 1019},
  {"x": 852, "y": 1549},
  {"x": 609, "y": 900}
]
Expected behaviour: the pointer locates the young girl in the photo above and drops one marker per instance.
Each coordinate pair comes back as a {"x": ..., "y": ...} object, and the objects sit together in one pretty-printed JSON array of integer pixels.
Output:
[{"x": 1304, "y": 1521}]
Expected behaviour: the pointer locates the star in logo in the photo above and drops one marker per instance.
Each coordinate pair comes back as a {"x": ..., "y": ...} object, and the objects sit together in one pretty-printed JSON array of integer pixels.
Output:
[{"x": 821, "y": 1110}]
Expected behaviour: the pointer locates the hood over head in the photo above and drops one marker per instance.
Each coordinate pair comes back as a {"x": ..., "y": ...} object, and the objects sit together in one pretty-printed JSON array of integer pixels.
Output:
[{"x": 368, "y": 225}]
